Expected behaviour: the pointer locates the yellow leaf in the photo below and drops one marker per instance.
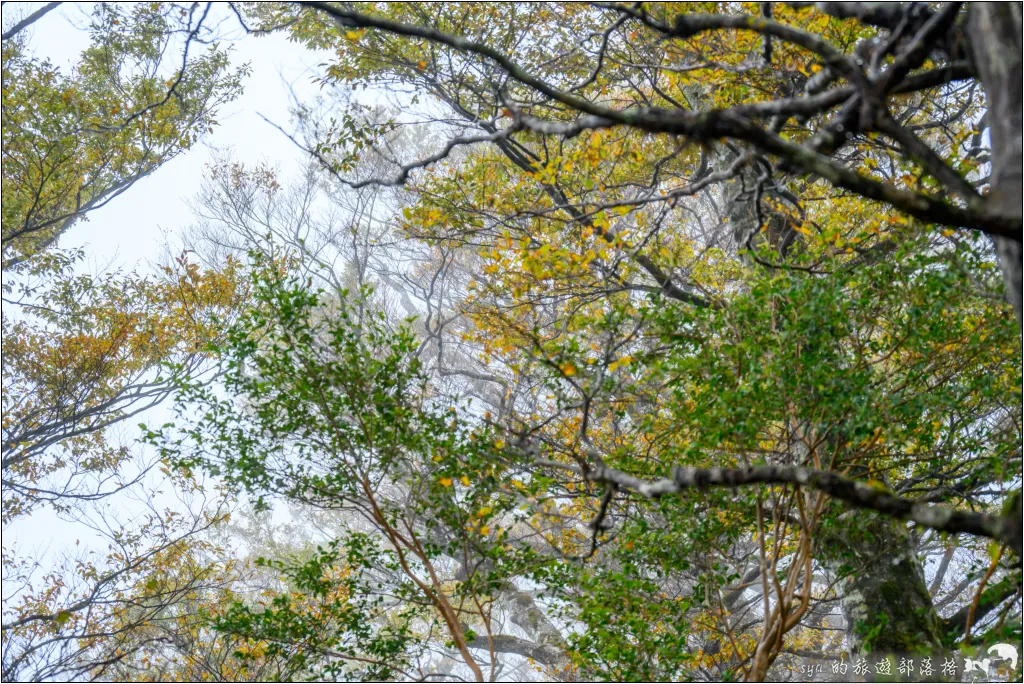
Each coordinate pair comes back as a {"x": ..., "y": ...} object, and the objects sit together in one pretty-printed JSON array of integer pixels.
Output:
[
  {"x": 464, "y": 480},
  {"x": 445, "y": 481}
]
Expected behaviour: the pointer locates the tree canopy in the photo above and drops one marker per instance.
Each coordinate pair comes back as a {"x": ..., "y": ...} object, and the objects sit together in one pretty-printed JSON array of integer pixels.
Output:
[{"x": 651, "y": 341}]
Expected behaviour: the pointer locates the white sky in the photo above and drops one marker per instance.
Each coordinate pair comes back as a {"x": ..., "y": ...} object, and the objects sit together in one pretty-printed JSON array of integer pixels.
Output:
[{"x": 131, "y": 231}]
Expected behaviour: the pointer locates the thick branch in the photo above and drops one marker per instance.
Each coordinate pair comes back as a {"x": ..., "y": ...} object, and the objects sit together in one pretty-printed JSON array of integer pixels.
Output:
[
  {"x": 991, "y": 598},
  {"x": 887, "y": 15},
  {"x": 716, "y": 124},
  {"x": 1006, "y": 529},
  {"x": 544, "y": 654},
  {"x": 29, "y": 20}
]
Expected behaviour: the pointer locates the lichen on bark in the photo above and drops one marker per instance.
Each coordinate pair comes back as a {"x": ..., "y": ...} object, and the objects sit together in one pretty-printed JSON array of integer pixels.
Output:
[{"x": 885, "y": 598}]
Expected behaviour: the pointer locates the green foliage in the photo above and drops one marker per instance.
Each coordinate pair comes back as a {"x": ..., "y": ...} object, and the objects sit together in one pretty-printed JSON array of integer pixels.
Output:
[
  {"x": 327, "y": 407},
  {"x": 647, "y": 298},
  {"x": 318, "y": 381},
  {"x": 329, "y": 625}
]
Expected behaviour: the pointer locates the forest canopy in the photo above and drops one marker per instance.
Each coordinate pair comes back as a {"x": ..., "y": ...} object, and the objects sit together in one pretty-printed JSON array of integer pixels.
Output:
[{"x": 593, "y": 341}]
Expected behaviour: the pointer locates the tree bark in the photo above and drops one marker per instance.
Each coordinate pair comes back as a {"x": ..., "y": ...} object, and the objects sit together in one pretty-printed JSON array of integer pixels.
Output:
[
  {"x": 752, "y": 202},
  {"x": 994, "y": 29},
  {"x": 885, "y": 599}
]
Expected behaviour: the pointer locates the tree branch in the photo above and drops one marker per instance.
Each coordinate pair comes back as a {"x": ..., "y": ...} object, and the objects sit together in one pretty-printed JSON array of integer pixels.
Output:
[
  {"x": 546, "y": 654},
  {"x": 1006, "y": 529},
  {"x": 715, "y": 124},
  {"x": 953, "y": 626},
  {"x": 29, "y": 20}
]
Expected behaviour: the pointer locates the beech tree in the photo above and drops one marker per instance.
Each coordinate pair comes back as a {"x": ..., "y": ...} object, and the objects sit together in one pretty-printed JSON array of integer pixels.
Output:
[
  {"x": 731, "y": 271},
  {"x": 659, "y": 341},
  {"x": 79, "y": 355}
]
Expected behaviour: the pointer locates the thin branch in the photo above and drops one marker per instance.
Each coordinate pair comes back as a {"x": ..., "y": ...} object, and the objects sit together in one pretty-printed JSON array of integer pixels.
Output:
[{"x": 708, "y": 126}]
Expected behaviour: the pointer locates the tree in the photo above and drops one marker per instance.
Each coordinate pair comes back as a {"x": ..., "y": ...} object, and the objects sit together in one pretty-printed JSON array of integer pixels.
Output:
[
  {"x": 618, "y": 315},
  {"x": 308, "y": 433},
  {"x": 336, "y": 417},
  {"x": 83, "y": 353},
  {"x": 83, "y": 614},
  {"x": 710, "y": 369},
  {"x": 869, "y": 81},
  {"x": 72, "y": 143}
]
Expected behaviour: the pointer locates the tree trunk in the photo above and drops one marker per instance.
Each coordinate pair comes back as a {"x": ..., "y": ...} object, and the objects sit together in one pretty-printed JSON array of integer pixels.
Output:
[
  {"x": 885, "y": 599},
  {"x": 752, "y": 203},
  {"x": 995, "y": 29}
]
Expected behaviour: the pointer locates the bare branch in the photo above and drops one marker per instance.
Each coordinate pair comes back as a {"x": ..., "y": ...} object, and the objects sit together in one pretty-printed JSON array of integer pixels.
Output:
[{"x": 29, "y": 20}]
